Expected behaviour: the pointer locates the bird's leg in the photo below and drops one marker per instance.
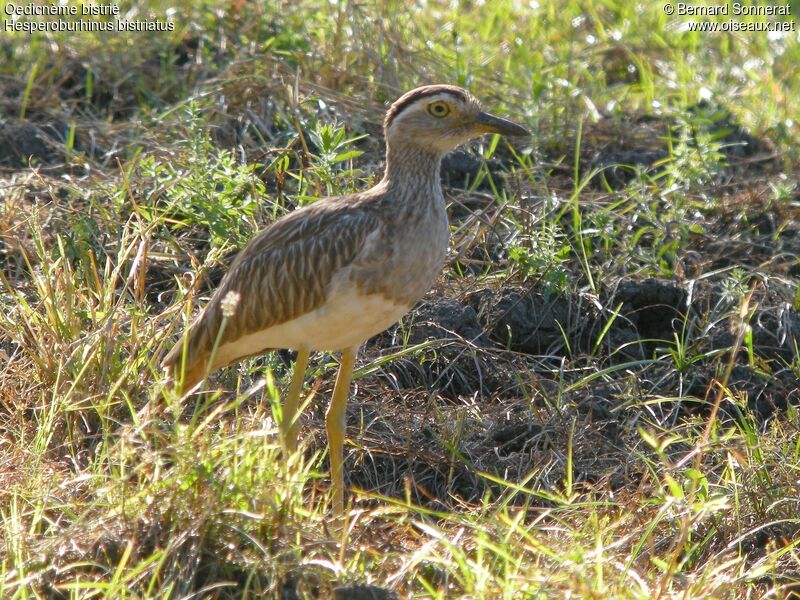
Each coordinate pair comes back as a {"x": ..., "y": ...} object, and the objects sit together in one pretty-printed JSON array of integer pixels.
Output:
[
  {"x": 290, "y": 423},
  {"x": 335, "y": 424}
]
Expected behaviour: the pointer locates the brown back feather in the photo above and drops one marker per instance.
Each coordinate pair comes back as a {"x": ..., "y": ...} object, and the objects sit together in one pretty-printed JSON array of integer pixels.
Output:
[{"x": 281, "y": 274}]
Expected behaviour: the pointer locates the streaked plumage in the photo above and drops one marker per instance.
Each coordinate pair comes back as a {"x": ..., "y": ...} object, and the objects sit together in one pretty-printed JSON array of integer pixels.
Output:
[{"x": 333, "y": 274}]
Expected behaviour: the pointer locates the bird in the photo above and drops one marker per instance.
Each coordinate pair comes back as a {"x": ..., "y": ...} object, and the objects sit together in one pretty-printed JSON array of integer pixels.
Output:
[{"x": 330, "y": 275}]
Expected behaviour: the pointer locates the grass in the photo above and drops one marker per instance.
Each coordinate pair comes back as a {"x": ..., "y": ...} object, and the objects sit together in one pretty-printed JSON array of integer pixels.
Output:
[{"x": 598, "y": 400}]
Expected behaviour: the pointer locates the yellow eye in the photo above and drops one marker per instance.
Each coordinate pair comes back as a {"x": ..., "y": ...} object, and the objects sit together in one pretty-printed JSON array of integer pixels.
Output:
[{"x": 438, "y": 109}]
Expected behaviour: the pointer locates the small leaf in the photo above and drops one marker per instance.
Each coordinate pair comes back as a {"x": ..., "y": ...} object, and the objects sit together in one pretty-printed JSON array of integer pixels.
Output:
[
  {"x": 673, "y": 486},
  {"x": 694, "y": 474},
  {"x": 347, "y": 155}
]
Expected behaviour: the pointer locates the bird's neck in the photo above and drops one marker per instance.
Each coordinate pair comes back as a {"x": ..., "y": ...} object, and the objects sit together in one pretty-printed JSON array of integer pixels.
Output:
[{"x": 414, "y": 171}]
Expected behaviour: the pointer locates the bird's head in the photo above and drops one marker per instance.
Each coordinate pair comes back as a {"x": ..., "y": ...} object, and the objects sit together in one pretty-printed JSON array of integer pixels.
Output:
[{"x": 439, "y": 118}]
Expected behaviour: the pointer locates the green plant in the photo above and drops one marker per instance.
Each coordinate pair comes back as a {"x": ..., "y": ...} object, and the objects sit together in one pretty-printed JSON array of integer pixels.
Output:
[
  {"x": 203, "y": 185},
  {"x": 603, "y": 475},
  {"x": 542, "y": 256},
  {"x": 331, "y": 172}
]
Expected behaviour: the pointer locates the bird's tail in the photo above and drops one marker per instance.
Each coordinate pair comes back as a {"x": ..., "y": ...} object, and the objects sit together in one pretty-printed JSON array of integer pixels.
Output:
[
  {"x": 189, "y": 358},
  {"x": 190, "y": 374}
]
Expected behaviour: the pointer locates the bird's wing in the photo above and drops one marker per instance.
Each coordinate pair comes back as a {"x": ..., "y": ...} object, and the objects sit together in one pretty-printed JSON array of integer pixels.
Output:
[{"x": 280, "y": 275}]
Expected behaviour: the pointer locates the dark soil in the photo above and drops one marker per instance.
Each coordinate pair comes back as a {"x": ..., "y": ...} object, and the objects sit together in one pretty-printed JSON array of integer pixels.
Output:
[
  {"x": 27, "y": 144},
  {"x": 619, "y": 147},
  {"x": 477, "y": 398},
  {"x": 461, "y": 169},
  {"x": 501, "y": 381}
]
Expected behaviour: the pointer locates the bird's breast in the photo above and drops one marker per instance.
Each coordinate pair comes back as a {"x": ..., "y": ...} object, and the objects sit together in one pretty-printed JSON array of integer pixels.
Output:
[
  {"x": 404, "y": 261},
  {"x": 422, "y": 252}
]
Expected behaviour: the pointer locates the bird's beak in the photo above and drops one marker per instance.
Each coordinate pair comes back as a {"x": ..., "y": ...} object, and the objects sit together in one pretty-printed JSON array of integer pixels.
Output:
[{"x": 491, "y": 124}]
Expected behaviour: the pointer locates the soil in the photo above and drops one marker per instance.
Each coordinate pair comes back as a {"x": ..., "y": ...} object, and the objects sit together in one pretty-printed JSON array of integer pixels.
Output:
[
  {"x": 36, "y": 144},
  {"x": 502, "y": 377},
  {"x": 478, "y": 398},
  {"x": 620, "y": 147}
]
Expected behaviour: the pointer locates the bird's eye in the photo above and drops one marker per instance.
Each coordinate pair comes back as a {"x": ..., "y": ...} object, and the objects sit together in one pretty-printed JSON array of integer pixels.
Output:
[{"x": 438, "y": 109}]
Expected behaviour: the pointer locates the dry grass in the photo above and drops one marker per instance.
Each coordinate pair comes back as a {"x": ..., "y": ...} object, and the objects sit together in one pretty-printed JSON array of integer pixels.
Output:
[{"x": 599, "y": 399}]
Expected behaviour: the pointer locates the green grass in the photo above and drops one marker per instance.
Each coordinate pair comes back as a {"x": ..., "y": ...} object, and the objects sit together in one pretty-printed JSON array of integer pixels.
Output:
[{"x": 638, "y": 465}]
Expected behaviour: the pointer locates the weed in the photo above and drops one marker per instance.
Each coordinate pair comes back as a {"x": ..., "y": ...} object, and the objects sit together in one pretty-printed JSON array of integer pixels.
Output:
[
  {"x": 596, "y": 474},
  {"x": 203, "y": 185}
]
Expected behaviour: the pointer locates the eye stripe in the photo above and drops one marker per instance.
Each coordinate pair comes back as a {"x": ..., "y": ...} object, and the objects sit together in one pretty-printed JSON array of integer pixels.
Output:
[{"x": 415, "y": 95}]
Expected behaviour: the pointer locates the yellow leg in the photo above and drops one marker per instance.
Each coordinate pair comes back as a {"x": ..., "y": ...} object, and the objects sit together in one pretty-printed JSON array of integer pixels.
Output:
[
  {"x": 335, "y": 424},
  {"x": 291, "y": 424}
]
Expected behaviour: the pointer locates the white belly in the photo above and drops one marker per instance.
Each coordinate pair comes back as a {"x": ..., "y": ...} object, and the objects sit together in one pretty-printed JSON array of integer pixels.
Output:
[{"x": 346, "y": 320}]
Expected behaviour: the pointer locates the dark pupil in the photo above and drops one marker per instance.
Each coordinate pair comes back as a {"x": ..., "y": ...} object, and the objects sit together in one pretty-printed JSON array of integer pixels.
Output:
[{"x": 438, "y": 109}]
